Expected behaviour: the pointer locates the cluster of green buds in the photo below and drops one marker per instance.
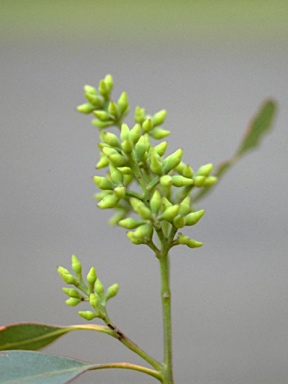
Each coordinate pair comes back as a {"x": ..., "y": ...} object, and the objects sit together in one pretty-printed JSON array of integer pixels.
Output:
[
  {"x": 91, "y": 291},
  {"x": 151, "y": 193}
]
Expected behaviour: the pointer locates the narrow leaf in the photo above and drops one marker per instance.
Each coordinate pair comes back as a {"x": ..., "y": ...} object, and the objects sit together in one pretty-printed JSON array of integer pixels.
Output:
[
  {"x": 22, "y": 367},
  {"x": 34, "y": 336},
  {"x": 259, "y": 126}
]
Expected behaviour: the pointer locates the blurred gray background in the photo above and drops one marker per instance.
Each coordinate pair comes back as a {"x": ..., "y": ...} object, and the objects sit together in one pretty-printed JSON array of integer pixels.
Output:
[{"x": 211, "y": 65}]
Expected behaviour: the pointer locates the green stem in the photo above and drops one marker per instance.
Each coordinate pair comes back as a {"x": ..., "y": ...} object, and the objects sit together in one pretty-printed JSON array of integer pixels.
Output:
[{"x": 166, "y": 309}]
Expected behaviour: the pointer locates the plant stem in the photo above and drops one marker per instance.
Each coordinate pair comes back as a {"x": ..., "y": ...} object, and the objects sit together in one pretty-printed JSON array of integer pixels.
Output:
[{"x": 163, "y": 257}]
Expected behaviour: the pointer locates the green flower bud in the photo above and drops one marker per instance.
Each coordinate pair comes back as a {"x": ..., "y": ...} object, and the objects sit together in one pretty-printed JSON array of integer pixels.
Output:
[
  {"x": 147, "y": 125},
  {"x": 181, "y": 181},
  {"x": 159, "y": 117},
  {"x": 101, "y": 195},
  {"x": 87, "y": 315},
  {"x": 194, "y": 244},
  {"x": 103, "y": 161},
  {"x": 140, "y": 208},
  {"x": 183, "y": 239},
  {"x": 102, "y": 124},
  {"x": 103, "y": 183},
  {"x": 199, "y": 181},
  {"x": 156, "y": 202},
  {"x": 94, "y": 100},
  {"x": 66, "y": 275},
  {"x": 76, "y": 266},
  {"x": 109, "y": 82},
  {"x": 113, "y": 110},
  {"x": 119, "y": 215},
  {"x": 116, "y": 175},
  {"x": 72, "y": 301},
  {"x": 170, "y": 213},
  {"x": 135, "y": 133},
  {"x": 102, "y": 116},
  {"x": 205, "y": 170},
  {"x": 159, "y": 133},
  {"x": 93, "y": 300},
  {"x": 141, "y": 147},
  {"x": 188, "y": 172},
  {"x": 166, "y": 181},
  {"x": 155, "y": 162},
  {"x": 91, "y": 278},
  {"x": 127, "y": 146},
  {"x": 179, "y": 221},
  {"x": 123, "y": 103},
  {"x": 72, "y": 292},
  {"x": 114, "y": 157},
  {"x": 161, "y": 148},
  {"x": 125, "y": 131},
  {"x": 90, "y": 90},
  {"x": 99, "y": 288},
  {"x": 109, "y": 201},
  {"x": 125, "y": 170},
  {"x": 104, "y": 89},
  {"x": 210, "y": 180},
  {"x": 112, "y": 291},
  {"x": 165, "y": 204},
  {"x": 135, "y": 240},
  {"x": 194, "y": 217},
  {"x": 110, "y": 139},
  {"x": 140, "y": 115},
  {"x": 85, "y": 108},
  {"x": 144, "y": 231},
  {"x": 120, "y": 192},
  {"x": 172, "y": 161},
  {"x": 130, "y": 223},
  {"x": 185, "y": 207}
]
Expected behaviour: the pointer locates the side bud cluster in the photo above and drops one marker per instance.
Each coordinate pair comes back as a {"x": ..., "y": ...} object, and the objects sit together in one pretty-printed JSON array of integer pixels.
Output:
[{"x": 91, "y": 291}]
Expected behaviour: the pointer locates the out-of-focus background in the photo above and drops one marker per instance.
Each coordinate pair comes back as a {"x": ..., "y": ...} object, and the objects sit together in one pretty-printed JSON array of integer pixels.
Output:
[{"x": 210, "y": 64}]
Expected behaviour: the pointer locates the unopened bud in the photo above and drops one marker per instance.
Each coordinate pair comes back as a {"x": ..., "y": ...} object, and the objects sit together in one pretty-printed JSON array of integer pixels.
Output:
[
  {"x": 93, "y": 300},
  {"x": 194, "y": 217},
  {"x": 135, "y": 133},
  {"x": 109, "y": 82},
  {"x": 125, "y": 131},
  {"x": 102, "y": 115},
  {"x": 123, "y": 103},
  {"x": 111, "y": 139},
  {"x": 140, "y": 208},
  {"x": 116, "y": 175},
  {"x": 112, "y": 291},
  {"x": 130, "y": 223},
  {"x": 140, "y": 115},
  {"x": 155, "y": 162},
  {"x": 109, "y": 201},
  {"x": 72, "y": 301},
  {"x": 205, "y": 170},
  {"x": 87, "y": 315},
  {"x": 179, "y": 221},
  {"x": 181, "y": 181},
  {"x": 166, "y": 180},
  {"x": 159, "y": 117},
  {"x": 161, "y": 148},
  {"x": 103, "y": 183},
  {"x": 103, "y": 162},
  {"x": 185, "y": 206},
  {"x": 72, "y": 292},
  {"x": 113, "y": 109},
  {"x": 99, "y": 288},
  {"x": 76, "y": 265},
  {"x": 147, "y": 125},
  {"x": 66, "y": 275},
  {"x": 155, "y": 202},
  {"x": 159, "y": 133},
  {"x": 120, "y": 192},
  {"x": 172, "y": 161},
  {"x": 210, "y": 180},
  {"x": 199, "y": 181},
  {"x": 144, "y": 231},
  {"x": 170, "y": 213},
  {"x": 85, "y": 108},
  {"x": 194, "y": 244},
  {"x": 141, "y": 147},
  {"x": 91, "y": 278}
]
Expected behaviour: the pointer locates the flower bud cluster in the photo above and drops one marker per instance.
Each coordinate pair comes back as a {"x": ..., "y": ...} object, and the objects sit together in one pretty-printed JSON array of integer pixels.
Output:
[
  {"x": 91, "y": 291},
  {"x": 141, "y": 180}
]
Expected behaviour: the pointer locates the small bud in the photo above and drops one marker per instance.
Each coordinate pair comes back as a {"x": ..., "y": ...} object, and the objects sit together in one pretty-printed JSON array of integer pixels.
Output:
[
  {"x": 194, "y": 244},
  {"x": 135, "y": 240},
  {"x": 188, "y": 172},
  {"x": 155, "y": 202},
  {"x": 194, "y": 217},
  {"x": 112, "y": 291},
  {"x": 166, "y": 181},
  {"x": 205, "y": 170},
  {"x": 181, "y": 181},
  {"x": 109, "y": 82},
  {"x": 140, "y": 208},
  {"x": 127, "y": 146},
  {"x": 199, "y": 181},
  {"x": 170, "y": 213},
  {"x": 140, "y": 115},
  {"x": 165, "y": 204},
  {"x": 119, "y": 215},
  {"x": 155, "y": 162},
  {"x": 113, "y": 110},
  {"x": 99, "y": 288},
  {"x": 159, "y": 133},
  {"x": 109, "y": 201},
  {"x": 210, "y": 180},
  {"x": 90, "y": 90},
  {"x": 111, "y": 139},
  {"x": 66, "y": 275},
  {"x": 183, "y": 239},
  {"x": 103, "y": 183},
  {"x": 125, "y": 131},
  {"x": 114, "y": 157},
  {"x": 85, "y": 108},
  {"x": 94, "y": 100},
  {"x": 123, "y": 103},
  {"x": 72, "y": 301},
  {"x": 120, "y": 192},
  {"x": 91, "y": 278},
  {"x": 135, "y": 133},
  {"x": 185, "y": 206},
  {"x": 87, "y": 315},
  {"x": 179, "y": 221},
  {"x": 102, "y": 124},
  {"x": 103, "y": 162},
  {"x": 130, "y": 223},
  {"x": 93, "y": 300},
  {"x": 76, "y": 266},
  {"x": 141, "y": 147},
  {"x": 102, "y": 116},
  {"x": 104, "y": 89},
  {"x": 72, "y": 292},
  {"x": 172, "y": 161},
  {"x": 161, "y": 148},
  {"x": 159, "y": 117},
  {"x": 147, "y": 125},
  {"x": 116, "y": 175},
  {"x": 144, "y": 231}
]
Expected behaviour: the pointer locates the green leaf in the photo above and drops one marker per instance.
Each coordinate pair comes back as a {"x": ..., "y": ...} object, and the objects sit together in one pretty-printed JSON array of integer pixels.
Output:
[
  {"x": 258, "y": 127},
  {"x": 33, "y": 336},
  {"x": 22, "y": 367}
]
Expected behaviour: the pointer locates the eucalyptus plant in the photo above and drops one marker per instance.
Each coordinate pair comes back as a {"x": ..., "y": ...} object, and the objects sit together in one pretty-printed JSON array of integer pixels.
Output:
[{"x": 152, "y": 194}]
